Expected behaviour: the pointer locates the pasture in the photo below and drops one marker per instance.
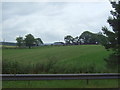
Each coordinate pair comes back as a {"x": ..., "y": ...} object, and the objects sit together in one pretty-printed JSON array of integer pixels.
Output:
[{"x": 56, "y": 59}]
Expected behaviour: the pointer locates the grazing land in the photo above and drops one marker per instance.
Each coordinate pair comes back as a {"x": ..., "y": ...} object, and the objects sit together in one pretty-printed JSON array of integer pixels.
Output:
[{"x": 56, "y": 59}]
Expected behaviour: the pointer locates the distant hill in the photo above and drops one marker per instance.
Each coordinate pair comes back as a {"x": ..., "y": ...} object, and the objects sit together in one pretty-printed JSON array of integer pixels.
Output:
[{"x": 8, "y": 43}]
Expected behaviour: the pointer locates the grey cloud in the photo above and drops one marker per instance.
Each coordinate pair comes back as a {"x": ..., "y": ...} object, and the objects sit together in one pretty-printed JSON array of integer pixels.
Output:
[{"x": 52, "y": 21}]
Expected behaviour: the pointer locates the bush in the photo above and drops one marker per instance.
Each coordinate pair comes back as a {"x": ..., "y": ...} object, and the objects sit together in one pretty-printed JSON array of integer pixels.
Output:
[
  {"x": 112, "y": 61},
  {"x": 15, "y": 67}
]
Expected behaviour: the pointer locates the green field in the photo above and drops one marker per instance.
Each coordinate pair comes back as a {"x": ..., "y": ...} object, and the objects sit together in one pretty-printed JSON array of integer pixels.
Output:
[
  {"x": 57, "y": 59},
  {"x": 7, "y": 46}
]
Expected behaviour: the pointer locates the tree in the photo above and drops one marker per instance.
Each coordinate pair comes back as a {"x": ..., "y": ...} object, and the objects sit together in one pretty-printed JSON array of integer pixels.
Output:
[
  {"x": 76, "y": 40},
  {"x": 20, "y": 41},
  {"x": 29, "y": 40},
  {"x": 101, "y": 39},
  {"x": 38, "y": 41},
  {"x": 113, "y": 36},
  {"x": 68, "y": 39},
  {"x": 88, "y": 38}
]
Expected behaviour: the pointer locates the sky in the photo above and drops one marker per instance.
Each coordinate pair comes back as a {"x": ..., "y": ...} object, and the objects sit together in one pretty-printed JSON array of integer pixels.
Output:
[{"x": 52, "y": 21}]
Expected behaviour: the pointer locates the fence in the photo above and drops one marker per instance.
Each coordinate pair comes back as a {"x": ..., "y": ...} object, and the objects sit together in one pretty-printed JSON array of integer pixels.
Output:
[{"x": 16, "y": 77}]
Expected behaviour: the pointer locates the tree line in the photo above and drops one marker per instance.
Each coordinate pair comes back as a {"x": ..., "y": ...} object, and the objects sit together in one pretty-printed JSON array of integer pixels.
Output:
[
  {"x": 29, "y": 41},
  {"x": 86, "y": 38}
]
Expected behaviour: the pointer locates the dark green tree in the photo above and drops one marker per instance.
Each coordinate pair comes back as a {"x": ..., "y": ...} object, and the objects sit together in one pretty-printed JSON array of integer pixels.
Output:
[
  {"x": 88, "y": 38},
  {"x": 68, "y": 39},
  {"x": 113, "y": 36},
  {"x": 20, "y": 41},
  {"x": 76, "y": 40},
  {"x": 101, "y": 39},
  {"x": 29, "y": 40}
]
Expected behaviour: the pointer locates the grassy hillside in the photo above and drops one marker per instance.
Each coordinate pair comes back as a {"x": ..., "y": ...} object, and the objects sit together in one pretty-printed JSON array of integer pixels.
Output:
[{"x": 58, "y": 59}]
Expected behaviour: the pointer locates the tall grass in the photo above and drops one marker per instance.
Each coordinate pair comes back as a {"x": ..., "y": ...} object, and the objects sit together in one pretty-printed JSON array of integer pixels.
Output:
[{"x": 56, "y": 59}]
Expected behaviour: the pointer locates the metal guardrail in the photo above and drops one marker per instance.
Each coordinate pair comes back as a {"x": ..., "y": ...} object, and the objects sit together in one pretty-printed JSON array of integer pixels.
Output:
[{"x": 15, "y": 77}]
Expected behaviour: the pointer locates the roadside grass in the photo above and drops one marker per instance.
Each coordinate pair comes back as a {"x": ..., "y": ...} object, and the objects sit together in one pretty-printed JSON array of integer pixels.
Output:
[{"x": 62, "y": 84}]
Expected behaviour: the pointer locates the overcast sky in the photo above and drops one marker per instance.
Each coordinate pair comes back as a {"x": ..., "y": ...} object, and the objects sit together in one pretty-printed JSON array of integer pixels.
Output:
[{"x": 51, "y": 21}]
